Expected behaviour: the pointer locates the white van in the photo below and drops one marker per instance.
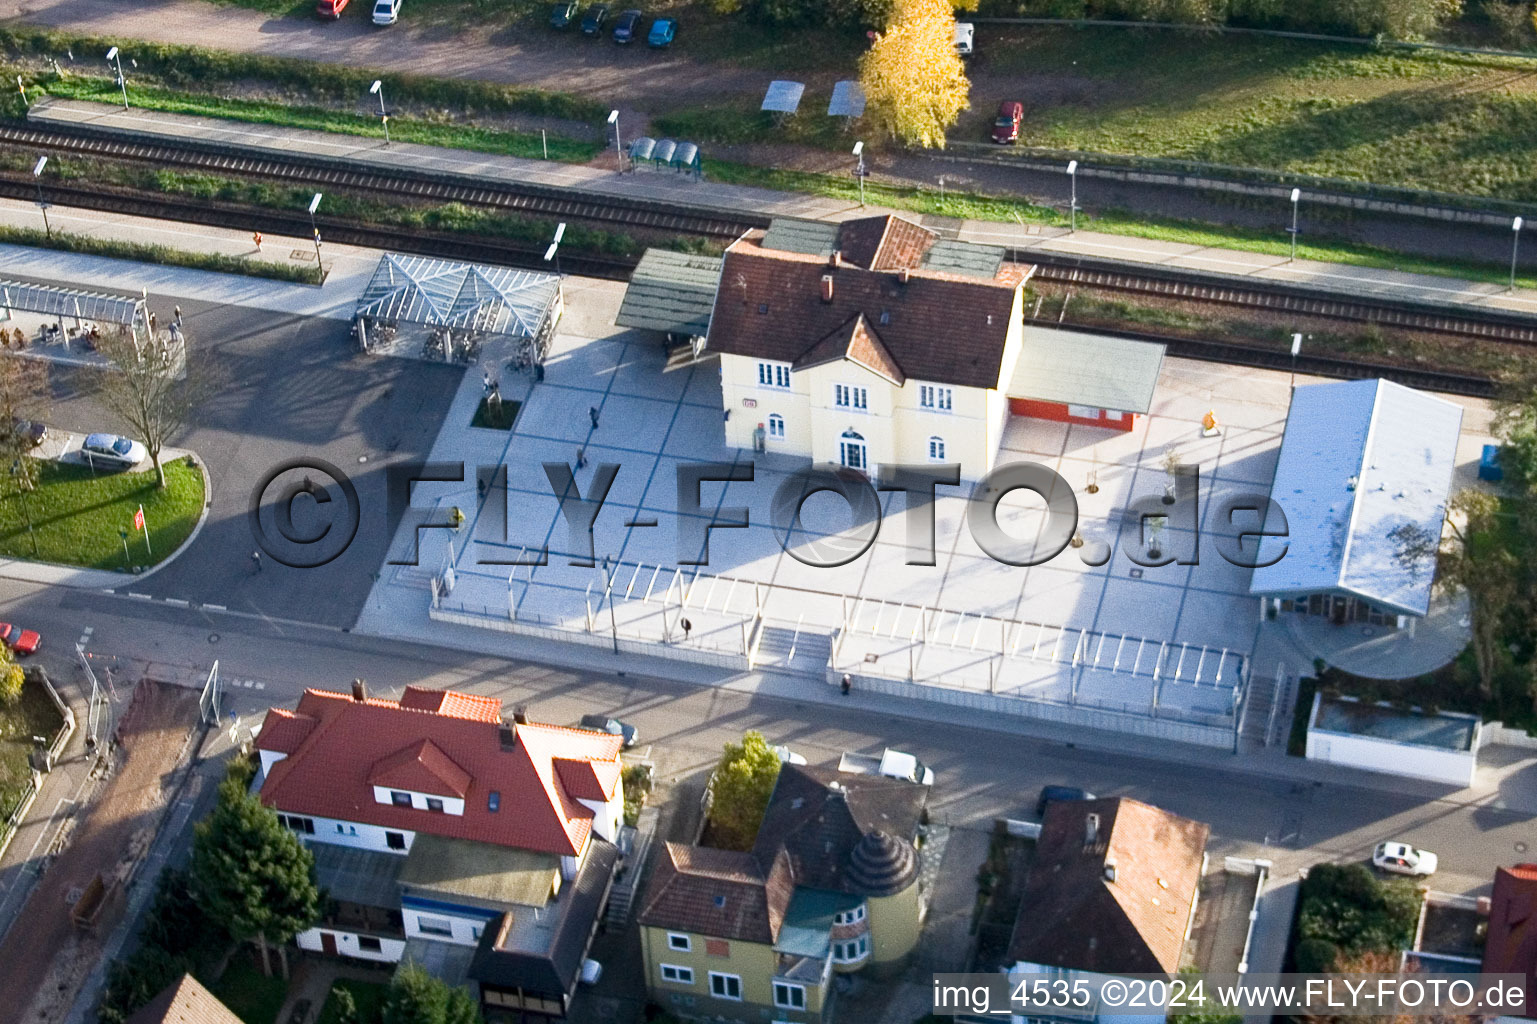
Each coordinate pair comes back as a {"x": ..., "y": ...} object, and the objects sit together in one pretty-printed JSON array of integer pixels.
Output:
[
  {"x": 965, "y": 31},
  {"x": 386, "y": 11}
]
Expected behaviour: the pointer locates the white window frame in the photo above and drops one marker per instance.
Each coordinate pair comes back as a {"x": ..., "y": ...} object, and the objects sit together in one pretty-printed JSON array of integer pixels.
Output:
[
  {"x": 679, "y": 975},
  {"x": 445, "y": 932},
  {"x": 850, "y": 916},
  {"x": 773, "y": 375},
  {"x": 679, "y": 943},
  {"x": 854, "y": 397},
  {"x": 936, "y": 448},
  {"x": 1085, "y": 412},
  {"x": 936, "y": 397},
  {"x": 727, "y": 980},
  {"x": 788, "y": 988},
  {"x": 776, "y": 420}
]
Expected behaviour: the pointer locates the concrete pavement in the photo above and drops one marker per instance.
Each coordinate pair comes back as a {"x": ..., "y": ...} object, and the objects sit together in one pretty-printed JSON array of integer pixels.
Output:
[{"x": 673, "y": 187}]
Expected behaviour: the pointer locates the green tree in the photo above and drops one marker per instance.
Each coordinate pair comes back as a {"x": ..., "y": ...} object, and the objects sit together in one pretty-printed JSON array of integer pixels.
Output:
[
  {"x": 416, "y": 997},
  {"x": 11, "y": 677},
  {"x": 135, "y": 981},
  {"x": 915, "y": 85},
  {"x": 177, "y": 921},
  {"x": 252, "y": 874},
  {"x": 740, "y": 790},
  {"x": 345, "y": 1006},
  {"x": 1345, "y": 904}
]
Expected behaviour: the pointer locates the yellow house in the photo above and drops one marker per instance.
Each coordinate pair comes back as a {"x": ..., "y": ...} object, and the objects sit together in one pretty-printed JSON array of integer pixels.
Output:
[
  {"x": 867, "y": 343},
  {"x": 831, "y": 887}
]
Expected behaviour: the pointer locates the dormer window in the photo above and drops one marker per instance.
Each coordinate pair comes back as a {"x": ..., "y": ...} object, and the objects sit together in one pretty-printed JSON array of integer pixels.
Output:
[
  {"x": 435, "y": 805},
  {"x": 400, "y": 799}
]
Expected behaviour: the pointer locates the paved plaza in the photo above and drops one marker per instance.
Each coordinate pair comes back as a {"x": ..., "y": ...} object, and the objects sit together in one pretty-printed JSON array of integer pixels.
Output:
[{"x": 1172, "y": 640}]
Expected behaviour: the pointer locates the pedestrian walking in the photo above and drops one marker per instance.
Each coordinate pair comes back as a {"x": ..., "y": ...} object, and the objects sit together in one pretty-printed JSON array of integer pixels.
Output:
[
  {"x": 581, "y": 458},
  {"x": 485, "y": 380},
  {"x": 592, "y": 413},
  {"x": 257, "y": 238},
  {"x": 256, "y": 561},
  {"x": 178, "y": 314},
  {"x": 847, "y": 684},
  {"x": 539, "y": 372}
]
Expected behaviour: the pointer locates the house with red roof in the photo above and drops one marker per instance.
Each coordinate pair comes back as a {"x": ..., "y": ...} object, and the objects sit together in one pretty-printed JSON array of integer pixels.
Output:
[
  {"x": 480, "y": 847},
  {"x": 1511, "y": 944}
]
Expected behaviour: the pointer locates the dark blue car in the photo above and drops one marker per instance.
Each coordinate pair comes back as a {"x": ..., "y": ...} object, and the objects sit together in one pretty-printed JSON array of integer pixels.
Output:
[{"x": 626, "y": 26}]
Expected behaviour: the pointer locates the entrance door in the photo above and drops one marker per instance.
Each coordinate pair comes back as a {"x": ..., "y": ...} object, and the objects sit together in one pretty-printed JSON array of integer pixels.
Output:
[
  {"x": 852, "y": 452},
  {"x": 328, "y": 943}
]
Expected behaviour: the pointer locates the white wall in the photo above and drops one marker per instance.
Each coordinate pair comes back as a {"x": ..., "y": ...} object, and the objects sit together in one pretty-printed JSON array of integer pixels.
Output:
[
  {"x": 348, "y": 833},
  {"x": 268, "y": 759},
  {"x": 451, "y": 804},
  {"x": 1450, "y": 766},
  {"x": 466, "y": 930},
  {"x": 607, "y": 816},
  {"x": 390, "y": 950}
]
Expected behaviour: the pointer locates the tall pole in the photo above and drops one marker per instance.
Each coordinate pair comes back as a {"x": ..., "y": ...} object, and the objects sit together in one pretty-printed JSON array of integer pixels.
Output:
[
  {"x": 1515, "y": 248},
  {"x": 613, "y": 119},
  {"x": 113, "y": 55},
  {"x": 1296, "y": 198},
  {"x": 320, "y": 271},
  {"x": 377, "y": 89},
  {"x": 1072, "y": 203},
  {"x": 37, "y": 173},
  {"x": 608, "y": 597},
  {"x": 859, "y": 171}
]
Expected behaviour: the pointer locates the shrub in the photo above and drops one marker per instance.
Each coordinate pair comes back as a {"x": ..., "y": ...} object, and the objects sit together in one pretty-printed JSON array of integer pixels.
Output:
[
  {"x": 1316, "y": 956},
  {"x": 11, "y": 678}
]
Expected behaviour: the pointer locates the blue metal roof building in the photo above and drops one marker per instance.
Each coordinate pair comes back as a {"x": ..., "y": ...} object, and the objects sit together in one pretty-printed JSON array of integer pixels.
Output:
[{"x": 1365, "y": 468}]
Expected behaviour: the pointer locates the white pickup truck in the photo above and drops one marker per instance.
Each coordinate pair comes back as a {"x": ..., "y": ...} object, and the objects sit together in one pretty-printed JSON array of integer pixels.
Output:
[{"x": 894, "y": 764}]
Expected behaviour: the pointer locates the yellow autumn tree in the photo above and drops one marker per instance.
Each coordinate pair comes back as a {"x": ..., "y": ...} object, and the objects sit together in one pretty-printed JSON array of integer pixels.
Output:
[{"x": 915, "y": 85}]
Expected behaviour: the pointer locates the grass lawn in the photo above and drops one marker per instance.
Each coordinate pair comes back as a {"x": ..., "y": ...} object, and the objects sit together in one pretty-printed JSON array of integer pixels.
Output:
[
  {"x": 502, "y": 417},
  {"x": 342, "y": 122},
  {"x": 33, "y": 715},
  {"x": 76, "y": 515},
  {"x": 249, "y": 994},
  {"x": 368, "y": 996}
]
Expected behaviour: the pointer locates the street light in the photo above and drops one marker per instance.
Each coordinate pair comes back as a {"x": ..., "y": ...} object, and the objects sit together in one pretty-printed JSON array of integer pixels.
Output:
[
  {"x": 320, "y": 273},
  {"x": 377, "y": 89},
  {"x": 553, "y": 253},
  {"x": 1072, "y": 205},
  {"x": 613, "y": 119},
  {"x": 122, "y": 83},
  {"x": 1515, "y": 247},
  {"x": 1296, "y": 197},
  {"x": 37, "y": 173},
  {"x": 859, "y": 171}
]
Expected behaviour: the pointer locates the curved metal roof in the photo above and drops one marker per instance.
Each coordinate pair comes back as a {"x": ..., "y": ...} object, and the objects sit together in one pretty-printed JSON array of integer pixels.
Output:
[{"x": 71, "y": 302}]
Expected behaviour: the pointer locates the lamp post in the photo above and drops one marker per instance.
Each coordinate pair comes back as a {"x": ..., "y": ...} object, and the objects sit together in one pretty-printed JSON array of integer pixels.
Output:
[
  {"x": 1296, "y": 198},
  {"x": 1072, "y": 204},
  {"x": 859, "y": 171},
  {"x": 613, "y": 119},
  {"x": 116, "y": 58},
  {"x": 1515, "y": 248},
  {"x": 553, "y": 253},
  {"x": 320, "y": 272},
  {"x": 37, "y": 173},
  {"x": 377, "y": 89}
]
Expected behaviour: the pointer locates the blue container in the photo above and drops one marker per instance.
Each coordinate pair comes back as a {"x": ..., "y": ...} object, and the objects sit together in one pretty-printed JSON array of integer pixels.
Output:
[{"x": 1489, "y": 464}]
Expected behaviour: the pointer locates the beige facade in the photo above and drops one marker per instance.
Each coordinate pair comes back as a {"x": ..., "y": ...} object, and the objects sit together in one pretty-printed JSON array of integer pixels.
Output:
[
  {"x": 895, "y": 924},
  {"x": 686, "y": 973},
  {"x": 844, "y": 413}
]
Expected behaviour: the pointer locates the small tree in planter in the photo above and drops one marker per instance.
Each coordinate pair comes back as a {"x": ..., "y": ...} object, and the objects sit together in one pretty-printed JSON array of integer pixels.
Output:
[{"x": 1172, "y": 463}]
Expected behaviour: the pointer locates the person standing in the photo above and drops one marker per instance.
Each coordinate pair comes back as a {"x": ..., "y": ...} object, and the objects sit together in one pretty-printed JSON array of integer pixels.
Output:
[
  {"x": 256, "y": 561},
  {"x": 592, "y": 414},
  {"x": 847, "y": 684},
  {"x": 257, "y": 238}
]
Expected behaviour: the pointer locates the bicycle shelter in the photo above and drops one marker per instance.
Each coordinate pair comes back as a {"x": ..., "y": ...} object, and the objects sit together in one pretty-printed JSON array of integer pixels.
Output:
[{"x": 443, "y": 310}]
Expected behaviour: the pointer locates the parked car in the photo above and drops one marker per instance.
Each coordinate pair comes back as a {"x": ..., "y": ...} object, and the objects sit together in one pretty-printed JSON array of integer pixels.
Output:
[
  {"x": 32, "y": 432},
  {"x": 894, "y": 764},
  {"x": 603, "y": 723},
  {"x": 626, "y": 26},
  {"x": 330, "y": 8},
  {"x": 386, "y": 12},
  {"x": 1052, "y": 794},
  {"x": 965, "y": 35},
  {"x": 22, "y": 641},
  {"x": 787, "y": 756},
  {"x": 592, "y": 970},
  {"x": 662, "y": 32},
  {"x": 1011, "y": 113},
  {"x": 1403, "y": 859},
  {"x": 563, "y": 14},
  {"x": 593, "y": 19},
  {"x": 112, "y": 451}
]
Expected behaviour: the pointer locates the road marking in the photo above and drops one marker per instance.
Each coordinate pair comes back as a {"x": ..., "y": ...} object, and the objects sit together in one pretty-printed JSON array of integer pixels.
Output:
[
  {"x": 215, "y": 607},
  {"x": 142, "y": 597},
  {"x": 178, "y": 602}
]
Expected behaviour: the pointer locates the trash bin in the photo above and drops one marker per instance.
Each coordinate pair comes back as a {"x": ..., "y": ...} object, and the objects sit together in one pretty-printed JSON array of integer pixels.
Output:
[{"x": 1489, "y": 464}]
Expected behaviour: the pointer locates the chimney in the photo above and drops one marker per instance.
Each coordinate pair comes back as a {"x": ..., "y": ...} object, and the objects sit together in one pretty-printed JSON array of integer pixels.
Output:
[
  {"x": 359, "y": 691},
  {"x": 827, "y": 287},
  {"x": 520, "y": 714},
  {"x": 1091, "y": 829},
  {"x": 835, "y": 259},
  {"x": 904, "y": 275},
  {"x": 508, "y": 735},
  {"x": 1110, "y": 871}
]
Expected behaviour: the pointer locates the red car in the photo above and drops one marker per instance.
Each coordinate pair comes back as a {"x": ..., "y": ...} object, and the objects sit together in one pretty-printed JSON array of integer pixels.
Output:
[
  {"x": 330, "y": 8},
  {"x": 22, "y": 641},
  {"x": 1011, "y": 113}
]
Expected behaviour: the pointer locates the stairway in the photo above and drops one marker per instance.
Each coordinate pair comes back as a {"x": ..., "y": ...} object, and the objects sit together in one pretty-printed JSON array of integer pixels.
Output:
[{"x": 782, "y": 648}]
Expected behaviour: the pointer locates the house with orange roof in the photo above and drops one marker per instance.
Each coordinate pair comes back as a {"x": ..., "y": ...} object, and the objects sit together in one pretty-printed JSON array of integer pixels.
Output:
[{"x": 478, "y": 846}]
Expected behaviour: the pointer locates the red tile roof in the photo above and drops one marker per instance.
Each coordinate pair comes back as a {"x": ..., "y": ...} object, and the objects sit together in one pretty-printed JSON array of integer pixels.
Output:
[
  {"x": 452, "y": 703},
  {"x": 936, "y": 326},
  {"x": 884, "y": 243},
  {"x": 421, "y": 767},
  {"x": 328, "y": 773},
  {"x": 723, "y": 893},
  {"x": 857, "y": 341},
  {"x": 1073, "y": 915},
  {"x": 1511, "y": 945},
  {"x": 184, "y": 1002},
  {"x": 587, "y": 780},
  {"x": 283, "y": 730}
]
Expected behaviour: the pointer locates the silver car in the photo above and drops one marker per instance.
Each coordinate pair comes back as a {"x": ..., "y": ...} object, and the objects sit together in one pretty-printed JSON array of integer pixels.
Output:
[{"x": 112, "y": 451}]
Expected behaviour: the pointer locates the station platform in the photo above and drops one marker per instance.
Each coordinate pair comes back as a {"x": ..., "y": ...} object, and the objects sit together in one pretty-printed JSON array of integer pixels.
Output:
[{"x": 603, "y": 178}]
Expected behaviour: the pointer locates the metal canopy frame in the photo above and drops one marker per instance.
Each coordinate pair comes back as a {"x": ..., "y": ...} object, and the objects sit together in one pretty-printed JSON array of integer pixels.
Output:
[
  {"x": 73, "y": 303},
  {"x": 468, "y": 296}
]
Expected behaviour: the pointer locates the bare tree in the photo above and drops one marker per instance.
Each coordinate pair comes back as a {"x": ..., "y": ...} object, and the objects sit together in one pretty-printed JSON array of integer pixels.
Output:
[
  {"x": 150, "y": 386},
  {"x": 1480, "y": 561},
  {"x": 24, "y": 396}
]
